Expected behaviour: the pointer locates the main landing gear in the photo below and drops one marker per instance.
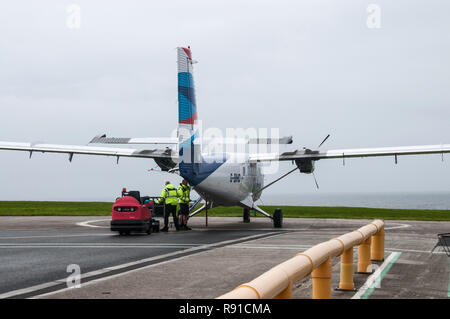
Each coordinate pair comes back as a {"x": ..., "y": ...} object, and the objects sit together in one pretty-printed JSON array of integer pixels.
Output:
[
  {"x": 246, "y": 215},
  {"x": 277, "y": 216}
]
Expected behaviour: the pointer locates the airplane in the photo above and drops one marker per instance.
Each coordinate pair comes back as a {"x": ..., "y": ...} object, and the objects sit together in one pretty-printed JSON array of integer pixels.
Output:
[{"x": 220, "y": 178}]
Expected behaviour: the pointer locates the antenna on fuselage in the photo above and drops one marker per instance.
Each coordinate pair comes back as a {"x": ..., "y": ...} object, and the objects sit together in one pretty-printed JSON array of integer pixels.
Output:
[{"x": 326, "y": 138}]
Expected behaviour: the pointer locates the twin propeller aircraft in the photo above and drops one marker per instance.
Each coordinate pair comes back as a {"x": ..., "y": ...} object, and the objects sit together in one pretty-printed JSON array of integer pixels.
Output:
[{"x": 220, "y": 178}]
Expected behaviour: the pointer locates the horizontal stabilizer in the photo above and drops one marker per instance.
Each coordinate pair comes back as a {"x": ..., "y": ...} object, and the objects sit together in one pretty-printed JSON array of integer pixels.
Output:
[{"x": 102, "y": 139}]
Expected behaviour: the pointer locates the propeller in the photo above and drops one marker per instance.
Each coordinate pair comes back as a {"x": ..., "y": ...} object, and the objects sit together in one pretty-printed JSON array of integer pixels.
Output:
[
  {"x": 326, "y": 138},
  {"x": 314, "y": 175},
  {"x": 315, "y": 180}
]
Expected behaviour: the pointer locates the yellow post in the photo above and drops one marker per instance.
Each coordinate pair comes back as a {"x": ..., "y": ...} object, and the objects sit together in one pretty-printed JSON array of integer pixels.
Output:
[
  {"x": 321, "y": 278},
  {"x": 377, "y": 250},
  {"x": 286, "y": 293},
  {"x": 346, "y": 282},
  {"x": 364, "y": 264}
]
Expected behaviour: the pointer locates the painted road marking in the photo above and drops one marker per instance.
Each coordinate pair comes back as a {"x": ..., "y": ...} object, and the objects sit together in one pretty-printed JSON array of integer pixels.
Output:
[
  {"x": 296, "y": 247},
  {"x": 190, "y": 252},
  {"x": 254, "y": 237},
  {"x": 448, "y": 294},
  {"x": 84, "y": 245},
  {"x": 170, "y": 245},
  {"x": 88, "y": 223},
  {"x": 85, "y": 224},
  {"x": 375, "y": 279},
  {"x": 397, "y": 227},
  {"x": 56, "y": 236}
]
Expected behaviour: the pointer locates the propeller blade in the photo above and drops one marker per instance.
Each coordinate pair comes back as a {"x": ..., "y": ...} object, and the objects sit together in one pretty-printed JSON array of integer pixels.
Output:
[
  {"x": 315, "y": 180},
  {"x": 326, "y": 138}
]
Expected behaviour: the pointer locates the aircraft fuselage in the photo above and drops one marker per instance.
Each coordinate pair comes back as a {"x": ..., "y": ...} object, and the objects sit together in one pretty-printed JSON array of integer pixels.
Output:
[{"x": 225, "y": 183}]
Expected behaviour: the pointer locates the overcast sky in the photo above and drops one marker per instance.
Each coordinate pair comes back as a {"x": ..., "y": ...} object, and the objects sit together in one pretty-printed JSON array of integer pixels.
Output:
[{"x": 309, "y": 68}]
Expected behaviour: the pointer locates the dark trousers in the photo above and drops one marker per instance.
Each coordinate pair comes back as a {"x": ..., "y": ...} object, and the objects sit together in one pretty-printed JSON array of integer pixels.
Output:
[
  {"x": 171, "y": 209},
  {"x": 184, "y": 210}
]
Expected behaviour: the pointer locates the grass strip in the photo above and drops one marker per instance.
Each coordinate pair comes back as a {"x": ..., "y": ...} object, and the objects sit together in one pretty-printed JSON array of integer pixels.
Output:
[{"x": 28, "y": 208}]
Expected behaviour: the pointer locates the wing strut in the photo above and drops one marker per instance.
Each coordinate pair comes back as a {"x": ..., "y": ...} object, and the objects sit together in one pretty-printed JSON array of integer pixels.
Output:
[
  {"x": 270, "y": 184},
  {"x": 210, "y": 205}
]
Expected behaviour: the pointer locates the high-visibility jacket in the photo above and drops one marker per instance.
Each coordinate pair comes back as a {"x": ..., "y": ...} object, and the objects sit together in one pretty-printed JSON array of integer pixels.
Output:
[
  {"x": 184, "y": 193},
  {"x": 170, "y": 195}
]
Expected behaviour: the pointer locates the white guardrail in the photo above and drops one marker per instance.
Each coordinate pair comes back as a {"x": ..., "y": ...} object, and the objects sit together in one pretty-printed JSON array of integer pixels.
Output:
[{"x": 278, "y": 281}]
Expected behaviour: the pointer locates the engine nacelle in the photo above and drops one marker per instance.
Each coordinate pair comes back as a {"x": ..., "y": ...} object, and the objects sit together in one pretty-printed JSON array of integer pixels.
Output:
[{"x": 305, "y": 165}]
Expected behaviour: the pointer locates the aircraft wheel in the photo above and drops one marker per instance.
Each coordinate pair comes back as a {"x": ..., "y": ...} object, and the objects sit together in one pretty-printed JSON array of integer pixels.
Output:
[
  {"x": 150, "y": 227},
  {"x": 155, "y": 226},
  {"x": 246, "y": 215},
  {"x": 278, "y": 218}
]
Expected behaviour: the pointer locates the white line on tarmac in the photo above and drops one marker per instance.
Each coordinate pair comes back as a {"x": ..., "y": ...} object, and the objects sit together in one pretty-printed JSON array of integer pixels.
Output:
[
  {"x": 296, "y": 247},
  {"x": 254, "y": 237},
  {"x": 28, "y": 246},
  {"x": 414, "y": 251},
  {"x": 99, "y": 244},
  {"x": 291, "y": 247},
  {"x": 57, "y": 236},
  {"x": 95, "y": 247},
  {"x": 88, "y": 223},
  {"x": 303, "y": 230},
  {"x": 375, "y": 279},
  {"x": 397, "y": 227},
  {"x": 108, "y": 269}
]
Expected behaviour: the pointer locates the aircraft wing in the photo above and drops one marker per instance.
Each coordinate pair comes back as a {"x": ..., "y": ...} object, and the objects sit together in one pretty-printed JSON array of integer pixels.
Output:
[
  {"x": 307, "y": 154},
  {"x": 102, "y": 139},
  {"x": 165, "y": 157}
]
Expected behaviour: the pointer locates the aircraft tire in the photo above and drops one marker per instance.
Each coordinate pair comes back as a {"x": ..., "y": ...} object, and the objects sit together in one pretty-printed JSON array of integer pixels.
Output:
[
  {"x": 155, "y": 226},
  {"x": 150, "y": 227},
  {"x": 278, "y": 218},
  {"x": 246, "y": 215}
]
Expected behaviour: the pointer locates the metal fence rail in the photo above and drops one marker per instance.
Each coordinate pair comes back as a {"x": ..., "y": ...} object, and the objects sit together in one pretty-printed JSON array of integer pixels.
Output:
[{"x": 278, "y": 281}]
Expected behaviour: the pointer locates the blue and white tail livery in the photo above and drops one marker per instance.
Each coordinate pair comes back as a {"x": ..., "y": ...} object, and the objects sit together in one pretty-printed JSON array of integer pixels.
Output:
[
  {"x": 206, "y": 171},
  {"x": 189, "y": 148},
  {"x": 224, "y": 178}
]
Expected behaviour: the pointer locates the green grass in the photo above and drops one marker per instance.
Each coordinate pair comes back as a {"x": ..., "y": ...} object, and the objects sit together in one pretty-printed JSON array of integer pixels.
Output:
[{"x": 17, "y": 208}]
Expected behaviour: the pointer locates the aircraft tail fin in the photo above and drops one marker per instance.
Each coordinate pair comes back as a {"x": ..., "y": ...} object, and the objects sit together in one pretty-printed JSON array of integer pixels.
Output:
[
  {"x": 187, "y": 107},
  {"x": 189, "y": 149}
]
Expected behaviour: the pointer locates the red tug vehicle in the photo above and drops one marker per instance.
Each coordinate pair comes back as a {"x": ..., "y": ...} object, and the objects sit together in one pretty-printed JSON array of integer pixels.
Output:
[{"x": 133, "y": 213}]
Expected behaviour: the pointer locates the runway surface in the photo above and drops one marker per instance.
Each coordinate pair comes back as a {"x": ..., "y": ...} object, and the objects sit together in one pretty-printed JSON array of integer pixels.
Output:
[{"x": 203, "y": 263}]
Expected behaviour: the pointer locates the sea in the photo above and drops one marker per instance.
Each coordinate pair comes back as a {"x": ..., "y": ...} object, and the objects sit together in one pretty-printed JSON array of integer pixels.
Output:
[{"x": 401, "y": 200}]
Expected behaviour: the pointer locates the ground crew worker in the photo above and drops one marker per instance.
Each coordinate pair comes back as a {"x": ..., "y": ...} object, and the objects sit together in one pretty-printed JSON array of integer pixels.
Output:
[
  {"x": 183, "y": 191},
  {"x": 170, "y": 198}
]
